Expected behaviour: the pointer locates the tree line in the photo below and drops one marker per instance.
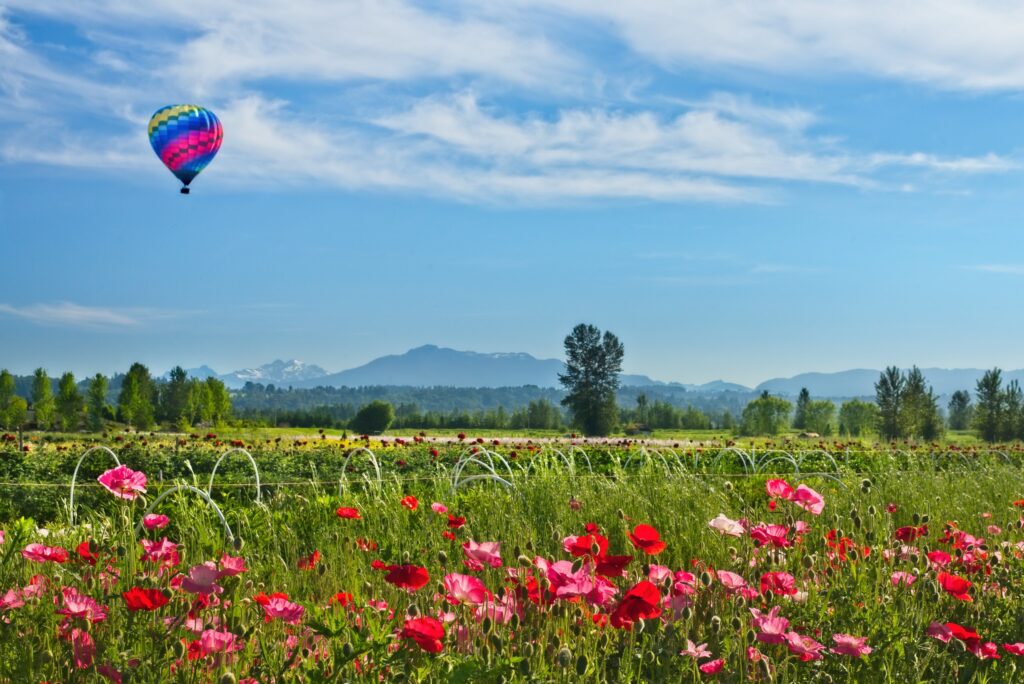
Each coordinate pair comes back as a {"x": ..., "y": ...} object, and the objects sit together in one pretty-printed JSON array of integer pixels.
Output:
[{"x": 141, "y": 401}]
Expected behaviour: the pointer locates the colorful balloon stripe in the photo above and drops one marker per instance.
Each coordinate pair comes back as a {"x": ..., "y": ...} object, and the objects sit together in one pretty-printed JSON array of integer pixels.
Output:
[{"x": 186, "y": 138}]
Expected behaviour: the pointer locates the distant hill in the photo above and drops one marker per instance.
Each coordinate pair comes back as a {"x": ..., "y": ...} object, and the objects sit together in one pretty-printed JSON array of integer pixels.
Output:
[
  {"x": 861, "y": 382},
  {"x": 285, "y": 373}
]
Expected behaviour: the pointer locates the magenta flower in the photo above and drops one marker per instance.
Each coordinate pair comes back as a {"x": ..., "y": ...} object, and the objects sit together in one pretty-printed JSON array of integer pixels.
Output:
[
  {"x": 162, "y": 551},
  {"x": 695, "y": 651},
  {"x": 11, "y": 600},
  {"x": 155, "y": 521},
  {"x": 464, "y": 589},
  {"x": 83, "y": 607},
  {"x": 232, "y": 565},
  {"x": 479, "y": 554},
  {"x": 808, "y": 499},
  {"x": 215, "y": 641},
  {"x": 852, "y": 646},
  {"x": 284, "y": 610},
  {"x": 123, "y": 482},
  {"x": 202, "y": 579},
  {"x": 730, "y": 580},
  {"x": 83, "y": 648},
  {"x": 803, "y": 646},
  {"x": 41, "y": 554},
  {"x": 905, "y": 578}
]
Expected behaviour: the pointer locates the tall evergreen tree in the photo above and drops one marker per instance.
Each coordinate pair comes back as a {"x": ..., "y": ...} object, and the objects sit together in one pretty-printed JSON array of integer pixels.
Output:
[
  {"x": 800, "y": 414},
  {"x": 8, "y": 391},
  {"x": 97, "y": 401},
  {"x": 69, "y": 403},
  {"x": 988, "y": 411},
  {"x": 135, "y": 403},
  {"x": 591, "y": 377},
  {"x": 960, "y": 410},
  {"x": 1013, "y": 412},
  {"x": 42, "y": 399},
  {"x": 889, "y": 398},
  {"x": 174, "y": 396}
]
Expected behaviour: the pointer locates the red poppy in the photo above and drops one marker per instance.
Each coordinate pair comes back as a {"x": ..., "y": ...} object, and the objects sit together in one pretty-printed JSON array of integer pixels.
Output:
[
  {"x": 1019, "y": 503},
  {"x": 910, "y": 533},
  {"x": 144, "y": 599},
  {"x": 342, "y": 598},
  {"x": 408, "y": 577},
  {"x": 378, "y": 564},
  {"x": 779, "y": 583},
  {"x": 309, "y": 562},
  {"x": 86, "y": 554},
  {"x": 263, "y": 599},
  {"x": 647, "y": 539},
  {"x": 957, "y": 587},
  {"x": 366, "y": 544},
  {"x": 455, "y": 521},
  {"x": 643, "y": 601},
  {"x": 410, "y": 502},
  {"x": 612, "y": 566},
  {"x": 349, "y": 513},
  {"x": 592, "y": 544},
  {"x": 427, "y": 632}
]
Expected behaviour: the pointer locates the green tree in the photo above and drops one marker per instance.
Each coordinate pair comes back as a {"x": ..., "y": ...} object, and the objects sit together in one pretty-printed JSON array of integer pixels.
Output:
[
  {"x": 42, "y": 399},
  {"x": 819, "y": 416},
  {"x": 8, "y": 391},
  {"x": 591, "y": 378},
  {"x": 174, "y": 396},
  {"x": 857, "y": 418},
  {"x": 960, "y": 410},
  {"x": 766, "y": 415},
  {"x": 96, "y": 398},
  {"x": 1013, "y": 412},
  {"x": 889, "y": 398},
  {"x": 988, "y": 412},
  {"x": 800, "y": 414},
  {"x": 69, "y": 403},
  {"x": 373, "y": 418},
  {"x": 135, "y": 403},
  {"x": 17, "y": 413},
  {"x": 220, "y": 400},
  {"x": 641, "y": 408}
]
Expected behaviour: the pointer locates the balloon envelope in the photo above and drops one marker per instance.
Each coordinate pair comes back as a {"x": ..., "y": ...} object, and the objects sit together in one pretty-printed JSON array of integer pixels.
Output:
[{"x": 186, "y": 138}]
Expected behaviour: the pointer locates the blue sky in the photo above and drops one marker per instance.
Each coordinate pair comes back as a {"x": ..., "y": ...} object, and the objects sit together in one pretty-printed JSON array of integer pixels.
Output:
[{"x": 738, "y": 190}]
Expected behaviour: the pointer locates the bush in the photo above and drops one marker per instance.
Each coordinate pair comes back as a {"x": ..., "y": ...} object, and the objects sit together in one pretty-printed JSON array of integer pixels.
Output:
[{"x": 373, "y": 419}]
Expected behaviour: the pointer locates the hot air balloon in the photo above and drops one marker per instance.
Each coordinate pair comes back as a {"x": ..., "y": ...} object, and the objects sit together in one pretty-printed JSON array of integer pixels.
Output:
[{"x": 186, "y": 138}]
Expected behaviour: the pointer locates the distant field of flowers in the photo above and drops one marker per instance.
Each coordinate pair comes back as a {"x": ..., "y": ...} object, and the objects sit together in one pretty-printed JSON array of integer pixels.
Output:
[{"x": 461, "y": 560}]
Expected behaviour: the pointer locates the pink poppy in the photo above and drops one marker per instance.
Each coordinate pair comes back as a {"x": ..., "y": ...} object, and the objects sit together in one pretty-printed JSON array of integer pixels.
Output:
[
  {"x": 804, "y": 646},
  {"x": 808, "y": 499},
  {"x": 202, "y": 579},
  {"x": 284, "y": 610},
  {"x": 479, "y": 554},
  {"x": 82, "y": 607},
  {"x": 730, "y": 580},
  {"x": 779, "y": 489},
  {"x": 439, "y": 508},
  {"x": 938, "y": 630},
  {"x": 218, "y": 641},
  {"x": 905, "y": 578},
  {"x": 695, "y": 651},
  {"x": 41, "y": 554},
  {"x": 11, "y": 600},
  {"x": 726, "y": 526},
  {"x": 658, "y": 573},
  {"x": 779, "y": 583},
  {"x": 564, "y": 582},
  {"x": 83, "y": 648},
  {"x": 464, "y": 589},
  {"x": 155, "y": 521},
  {"x": 1016, "y": 649},
  {"x": 712, "y": 667},
  {"x": 123, "y": 482},
  {"x": 232, "y": 565},
  {"x": 852, "y": 646},
  {"x": 162, "y": 551},
  {"x": 776, "y": 535}
]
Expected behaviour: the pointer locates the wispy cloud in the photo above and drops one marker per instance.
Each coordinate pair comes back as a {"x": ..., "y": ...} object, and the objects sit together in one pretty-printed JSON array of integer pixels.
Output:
[
  {"x": 79, "y": 316},
  {"x": 1005, "y": 269}
]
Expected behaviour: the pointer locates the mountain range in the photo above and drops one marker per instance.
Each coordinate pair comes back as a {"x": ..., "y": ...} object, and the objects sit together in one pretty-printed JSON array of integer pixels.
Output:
[{"x": 430, "y": 366}]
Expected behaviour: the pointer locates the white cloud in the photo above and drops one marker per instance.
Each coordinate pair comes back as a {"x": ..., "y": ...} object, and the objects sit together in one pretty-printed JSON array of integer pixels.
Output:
[
  {"x": 1005, "y": 269},
  {"x": 77, "y": 315},
  {"x": 951, "y": 44}
]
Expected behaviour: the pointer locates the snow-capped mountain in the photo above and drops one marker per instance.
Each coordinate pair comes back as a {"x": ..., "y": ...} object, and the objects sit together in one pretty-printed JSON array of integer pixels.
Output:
[{"x": 276, "y": 372}]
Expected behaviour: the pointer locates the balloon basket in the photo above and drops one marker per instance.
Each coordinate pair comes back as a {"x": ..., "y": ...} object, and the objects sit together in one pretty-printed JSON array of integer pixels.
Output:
[{"x": 184, "y": 191}]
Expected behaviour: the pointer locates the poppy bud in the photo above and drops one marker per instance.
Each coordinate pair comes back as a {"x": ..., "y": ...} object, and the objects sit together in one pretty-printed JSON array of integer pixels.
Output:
[
  {"x": 925, "y": 518},
  {"x": 645, "y": 569},
  {"x": 621, "y": 514},
  {"x": 916, "y": 518},
  {"x": 412, "y": 610},
  {"x": 367, "y": 588},
  {"x": 577, "y": 565},
  {"x": 514, "y": 622},
  {"x": 236, "y": 543},
  {"x": 120, "y": 551},
  {"x": 179, "y": 649},
  {"x": 496, "y": 643},
  {"x": 227, "y": 678},
  {"x": 732, "y": 550},
  {"x": 485, "y": 626},
  {"x": 405, "y": 557},
  {"x": 716, "y": 624},
  {"x": 727, "y": 486},
  {"x": 872, "y": 510},
  {"x": 736, "y": 623},
  {"x": 347, "y": 650},
  {"x": 581, "y": 666},
  {"x": 516, "y": 551},
  {"x": 564, "y": 658},
  {"x": 524, "y": 561},
  {"x": 705, "y": 578},
  {"x": 440, "y": 588},
  {"x": 595, "y": 550},
  {"x": 751, "y": 635},
  {"x": 808, "y": 562},
  {"x": 649, "y": 657},
  {"x": 442, "y": 557},
  {"x": 687, "y": 613},
  {"x": 321, "y": 569},
  {"x": 529, "y": 545},
  {"x": 766, "y": 669}
]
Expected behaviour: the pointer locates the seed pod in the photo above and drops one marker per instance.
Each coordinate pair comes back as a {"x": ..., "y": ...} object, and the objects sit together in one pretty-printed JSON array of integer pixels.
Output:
[
  {"x": 516, "y": 550},
  {"x": 485, "y": 626},
  {"x": 727, "y": 486},
  {"x": 736, "y": 623},
  {"x": 716, "y": 624},
  {"x": 514, "y": 622},
  {"x": 227, "y": 678},
  {"x": 442, "y": 557},
  {"x": 916, "y": 518},
  {"x": 577, "y": 564},
  {"x": 925, "y": 518},
  {"x": 564, "y": 658},
  {"x": 347, "y": 650},
  {"x": 412, "y": 610},
  {"x": 406, "y": 557},
  {"x": 856, "y": 523},
  {"x": 872, "y": 510},
  {"x": 687, "y": 613},
  {"x": 705, "y": 578},
  {"x": 581, "y": 666},
  {"x": 524, "y": 561}
]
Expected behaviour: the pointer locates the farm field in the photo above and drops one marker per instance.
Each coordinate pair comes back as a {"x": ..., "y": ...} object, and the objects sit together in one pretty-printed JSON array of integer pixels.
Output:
[{"x": 464, "y": 561}]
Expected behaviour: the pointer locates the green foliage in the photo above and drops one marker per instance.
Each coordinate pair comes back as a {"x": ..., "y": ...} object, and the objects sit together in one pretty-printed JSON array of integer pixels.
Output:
[
  {"x": 889, "y": 398},
  {"x": 960, "y": 410},
  {"x": 857, "y": 418},
  {"x": 135, "y": 403},
  {"x": 174, "y": 396},
  {"x": 69, "y": 403},
  {"x": 766, "y": 415},
  {"x": 591, "y": 377},
  {"x": 96, "y": 400},
  {"x": 907, "y": 406},
  {"x": 819, "y": 416},
  {"x": 800, "y": 414},
  {"x": 42, "y": 399},
  {"x": 988, "y": 413},
  {"x": 373, "y": 419},
  {"x": 7, "y": 394}
]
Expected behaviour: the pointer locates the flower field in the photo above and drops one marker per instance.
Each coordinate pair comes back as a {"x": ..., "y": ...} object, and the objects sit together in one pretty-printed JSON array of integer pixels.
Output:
[{"x": 468, "y": 562}]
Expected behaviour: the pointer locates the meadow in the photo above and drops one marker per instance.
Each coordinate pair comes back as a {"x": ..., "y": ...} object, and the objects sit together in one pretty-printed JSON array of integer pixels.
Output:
[{"x": 456, "y": 559}]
